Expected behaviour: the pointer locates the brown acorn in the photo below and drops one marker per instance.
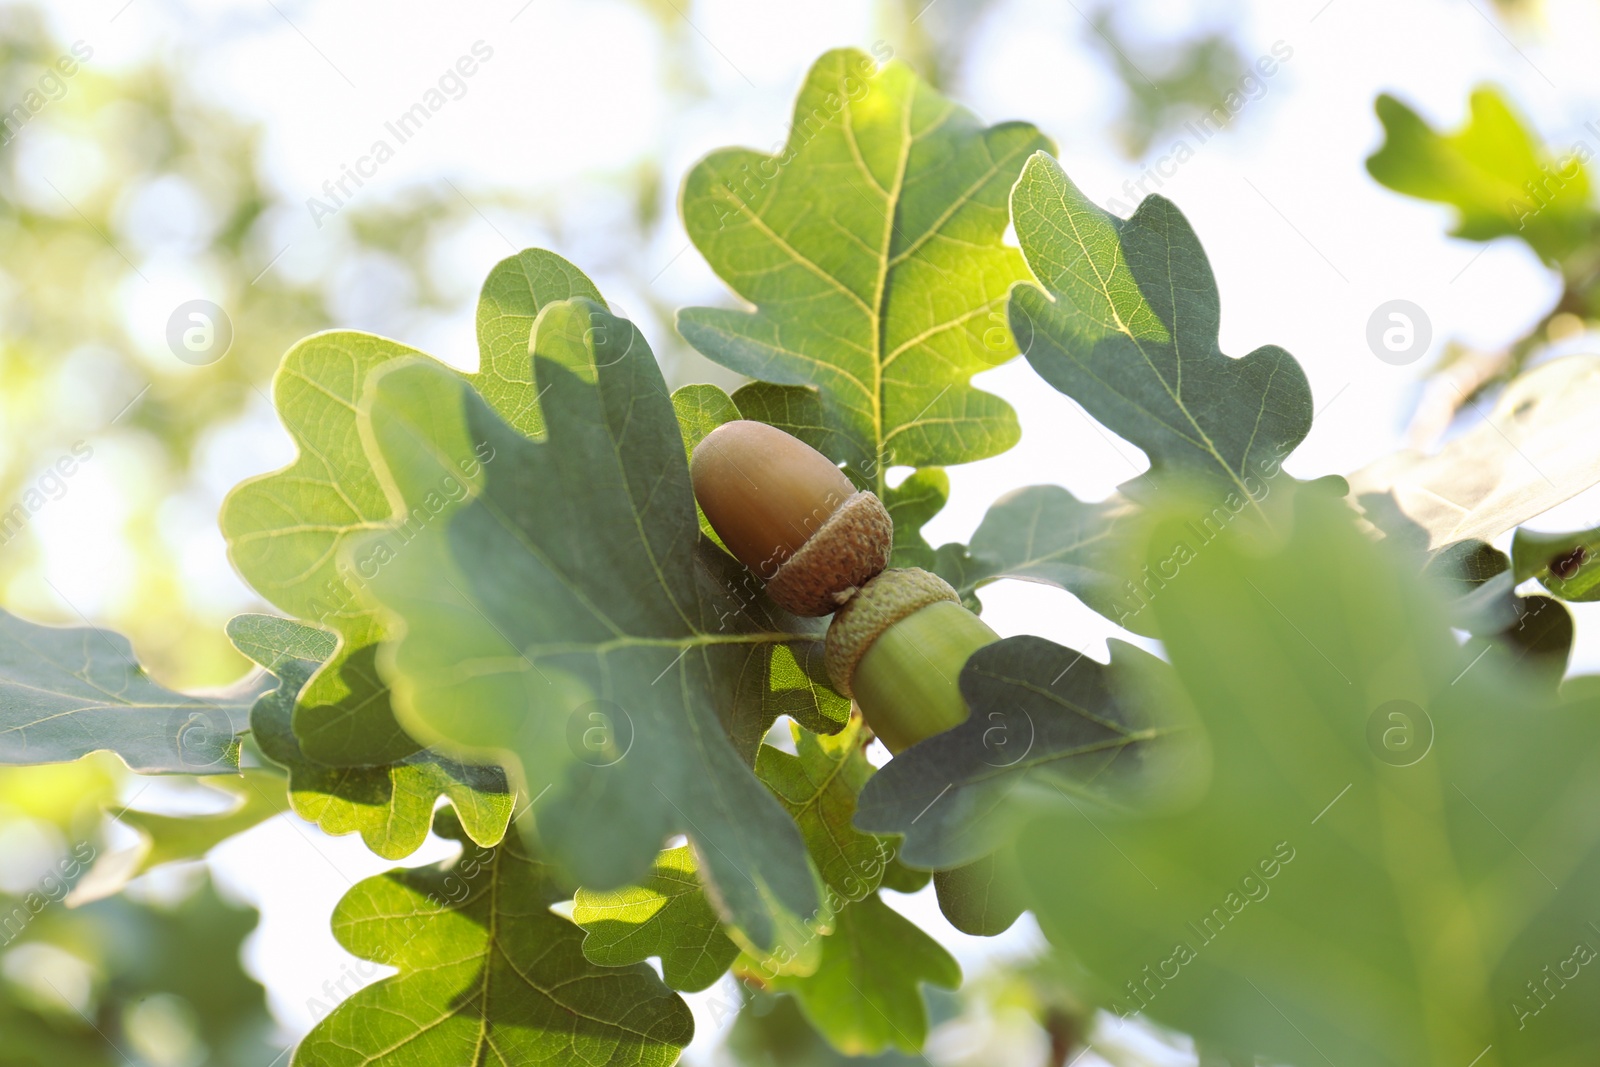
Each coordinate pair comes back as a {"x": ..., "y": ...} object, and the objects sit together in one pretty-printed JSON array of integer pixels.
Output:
[{"x": 790, "y": 515}]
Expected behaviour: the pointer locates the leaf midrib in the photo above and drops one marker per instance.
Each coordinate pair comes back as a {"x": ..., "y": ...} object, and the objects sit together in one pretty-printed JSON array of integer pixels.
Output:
[{"x": 880, "y": 320}]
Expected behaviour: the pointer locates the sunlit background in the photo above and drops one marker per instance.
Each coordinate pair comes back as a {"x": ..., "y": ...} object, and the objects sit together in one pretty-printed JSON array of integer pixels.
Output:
[{"x": 196, "y": 151}]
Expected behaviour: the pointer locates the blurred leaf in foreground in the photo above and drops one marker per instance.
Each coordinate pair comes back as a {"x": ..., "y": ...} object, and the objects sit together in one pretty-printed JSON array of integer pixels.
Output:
[{"x": 1395, "y": 860}]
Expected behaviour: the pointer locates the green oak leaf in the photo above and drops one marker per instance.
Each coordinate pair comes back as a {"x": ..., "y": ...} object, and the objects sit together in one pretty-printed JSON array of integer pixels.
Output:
[
  {"x": 488, "y": 974},
  {"x": 68, "y": 691},
  {"x": 288, "y": 531},
  {"x": 666, "y": 916},
  {"x": 1049, "y": 725},
  {"x": 1042, "y": 533},
  {"x": 866, "y": 994},
  {"x": 1567, "y": 564},
  {"x": 911, "y": 504},
  {"x": 1396, "y": 845},
  {"x": 870, "y": 249},
  {"x": 390, "y": 806},
  {"x": 798, "y": 686},
  {"x": 773, "y": 679},
  {"x": 571, "y": 623},
  {"x": 1502, "y": 180},
  {"x": 1124, "y": 320},
  {"x": 174, "y": 838},
  {"x": 818, "y": 786}
]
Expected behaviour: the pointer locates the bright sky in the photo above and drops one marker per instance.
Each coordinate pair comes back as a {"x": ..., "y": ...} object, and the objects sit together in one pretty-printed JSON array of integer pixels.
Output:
[{"x": 1304, "y": 244}]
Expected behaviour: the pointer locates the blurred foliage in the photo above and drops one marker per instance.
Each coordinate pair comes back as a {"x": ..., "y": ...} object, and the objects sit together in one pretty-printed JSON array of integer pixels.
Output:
[
  {"x": 68, "y": 796},
  {"x": 1425, "y": 845},
  {"x": 135, "y": 983},
  {"x": 1163, "y": 82},
  {"x": 1504, "y": 180},
  {"x": 1516, "y": 12},
  {"x": 1192, "y": 77},
  {"x": 933, "y": 37},
  {"x": 771, "y": 1032},
  {"x": 121, "y": 197},
  {"x": 1501, "y": 179},
  {"x": 123, "y": 982},
  {"x": 1020, "y": 1013}
]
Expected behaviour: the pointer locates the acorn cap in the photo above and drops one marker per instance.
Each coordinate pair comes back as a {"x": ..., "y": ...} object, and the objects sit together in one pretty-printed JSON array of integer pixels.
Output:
[
  {"x": 852, "y": 546},
  {"x": 878, "y": 605}
]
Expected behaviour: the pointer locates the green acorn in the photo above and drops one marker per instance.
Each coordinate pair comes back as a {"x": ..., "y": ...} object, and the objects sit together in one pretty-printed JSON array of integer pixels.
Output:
[{"x": 897, "y": 648}]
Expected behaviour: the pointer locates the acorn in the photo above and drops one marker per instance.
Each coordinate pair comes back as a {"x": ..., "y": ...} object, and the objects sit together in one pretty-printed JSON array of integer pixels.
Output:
[
  {"x": 790, "y": 515},
  {"x": 897, "y": 649},
  {"x": 899, "y": 637}
]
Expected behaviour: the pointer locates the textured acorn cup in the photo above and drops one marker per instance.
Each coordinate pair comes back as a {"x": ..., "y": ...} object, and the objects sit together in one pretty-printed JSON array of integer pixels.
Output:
[
  {"x": 790, "y": 515},
  {"x": 897, "y": 649}
]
